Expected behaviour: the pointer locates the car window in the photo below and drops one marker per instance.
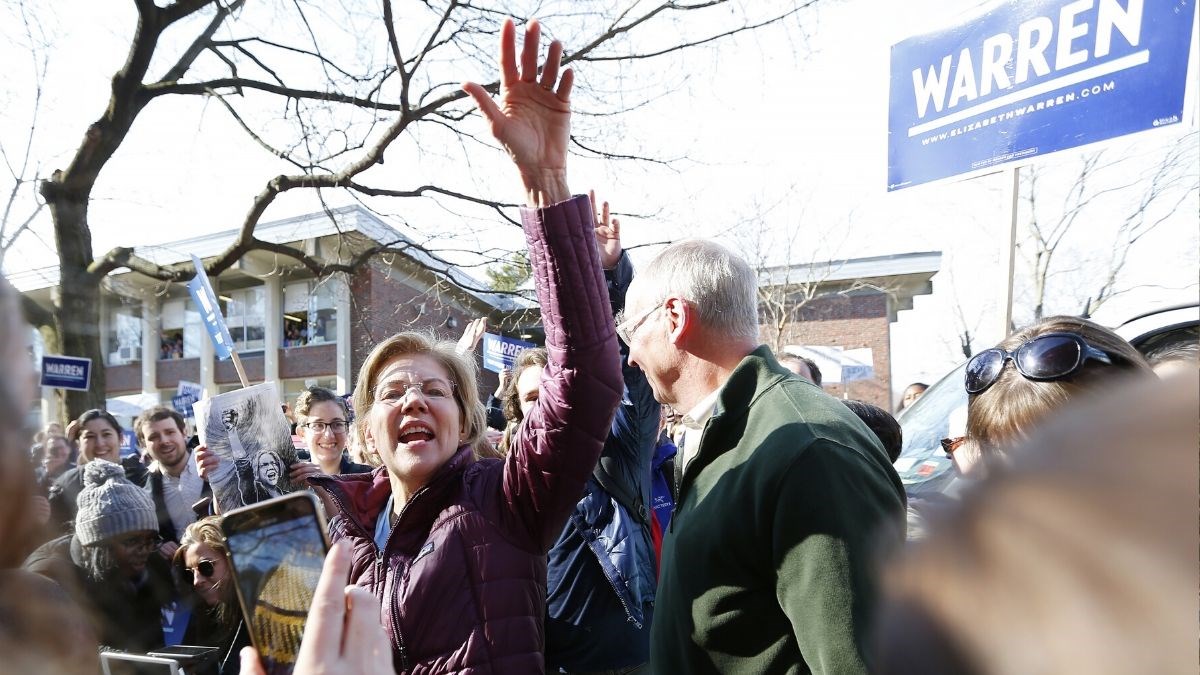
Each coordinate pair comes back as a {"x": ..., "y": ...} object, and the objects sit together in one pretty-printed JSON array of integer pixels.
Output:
[{"x": 941, "y": 412}]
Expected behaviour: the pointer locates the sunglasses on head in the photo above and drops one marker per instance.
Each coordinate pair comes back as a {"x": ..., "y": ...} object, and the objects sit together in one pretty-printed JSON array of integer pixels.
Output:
[
  {"x": 204, "y": 567},
  {"x": 1052, "y": 356}
]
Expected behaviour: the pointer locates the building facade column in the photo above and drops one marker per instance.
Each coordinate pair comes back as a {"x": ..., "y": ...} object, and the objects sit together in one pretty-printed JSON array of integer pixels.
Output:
[
  {"x": 151, "y": 343},
  {"x": 272, "y": 330},
  {"x": 344, "y": 362}
]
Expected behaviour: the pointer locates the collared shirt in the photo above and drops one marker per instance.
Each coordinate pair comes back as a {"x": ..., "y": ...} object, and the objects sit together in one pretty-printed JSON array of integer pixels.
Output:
[
  {"x": 179, "y": 493},
  {"x": 693, "y": 425}
]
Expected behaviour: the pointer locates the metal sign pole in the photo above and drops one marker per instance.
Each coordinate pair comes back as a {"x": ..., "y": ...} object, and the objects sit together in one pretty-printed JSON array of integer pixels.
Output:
[{"x": 1012, "y": 192}]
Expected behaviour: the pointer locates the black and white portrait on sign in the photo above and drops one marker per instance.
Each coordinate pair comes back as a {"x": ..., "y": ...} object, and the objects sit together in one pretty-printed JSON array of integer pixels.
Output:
[{"x": 247, "y": 430}]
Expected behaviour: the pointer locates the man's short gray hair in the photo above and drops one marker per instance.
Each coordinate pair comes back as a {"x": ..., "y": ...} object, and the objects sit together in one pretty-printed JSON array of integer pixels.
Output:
[{"x": 716, "y": 281}]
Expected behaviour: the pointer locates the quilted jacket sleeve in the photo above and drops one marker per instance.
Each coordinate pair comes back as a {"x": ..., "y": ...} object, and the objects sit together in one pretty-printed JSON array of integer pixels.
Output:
[{"x": 556, "y": 448}]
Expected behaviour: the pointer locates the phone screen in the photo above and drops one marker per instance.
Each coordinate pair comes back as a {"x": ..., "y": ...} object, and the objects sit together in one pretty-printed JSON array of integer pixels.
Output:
[{"x": 278, "y": 549}]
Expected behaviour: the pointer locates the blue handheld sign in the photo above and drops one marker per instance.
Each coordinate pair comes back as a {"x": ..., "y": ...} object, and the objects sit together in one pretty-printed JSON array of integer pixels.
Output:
[
  {"x": 202, "y": 293},
  {"x": 183, "y": 404},
  {"x": 499, "y": 352},
  {"x": 1032, "y": 77},
  {"x": 66, "y": 372}
]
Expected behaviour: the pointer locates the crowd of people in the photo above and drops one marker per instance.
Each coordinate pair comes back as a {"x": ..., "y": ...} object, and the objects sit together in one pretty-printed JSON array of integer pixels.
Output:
[{"x": 653, "y": 491}]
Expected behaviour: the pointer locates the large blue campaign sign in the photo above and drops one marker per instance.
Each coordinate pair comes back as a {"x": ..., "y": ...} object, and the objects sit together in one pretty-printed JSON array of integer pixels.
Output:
[
  {"x": 1032, "y": 77},
  {"x": 202, "y": 293},
  {"x": 499, "y": 352},
  {"x": 66, "y": 372}
]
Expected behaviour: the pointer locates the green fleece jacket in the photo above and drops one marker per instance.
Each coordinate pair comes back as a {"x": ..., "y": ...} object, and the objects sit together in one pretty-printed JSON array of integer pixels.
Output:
[{"x": 767, "y": 565}]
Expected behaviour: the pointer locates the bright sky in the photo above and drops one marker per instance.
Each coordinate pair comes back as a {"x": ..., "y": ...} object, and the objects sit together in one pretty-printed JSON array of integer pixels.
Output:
[{"x": 788, "y": 125}]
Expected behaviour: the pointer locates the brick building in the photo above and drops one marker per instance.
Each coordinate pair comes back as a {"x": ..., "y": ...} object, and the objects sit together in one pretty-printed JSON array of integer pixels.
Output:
[
  {"x": 288, "y": 326},
  {"x": 831, "y": 311}
]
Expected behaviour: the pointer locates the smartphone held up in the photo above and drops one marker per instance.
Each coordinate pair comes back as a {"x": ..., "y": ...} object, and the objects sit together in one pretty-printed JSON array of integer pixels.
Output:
[{"x": 277, "y": 548}]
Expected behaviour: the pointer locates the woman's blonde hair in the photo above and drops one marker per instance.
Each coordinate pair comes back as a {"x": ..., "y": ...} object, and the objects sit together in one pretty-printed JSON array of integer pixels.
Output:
[
  {"x": 205, "y": 531},
  {"x": 1006, "y": 411},
  {"x": 461, "y": 370}
]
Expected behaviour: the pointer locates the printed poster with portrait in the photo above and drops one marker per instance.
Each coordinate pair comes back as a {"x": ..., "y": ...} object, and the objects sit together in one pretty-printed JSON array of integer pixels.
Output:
[{"x": 246, "y": 428}]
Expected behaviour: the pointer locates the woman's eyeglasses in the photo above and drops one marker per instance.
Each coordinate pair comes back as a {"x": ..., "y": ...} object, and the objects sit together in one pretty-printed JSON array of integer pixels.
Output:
[
  {"x": 205, "y": 567},
  {"x": 336, "y": 426},
  {"x": 144, "y": 543},
  {"x": 1052, "y": 356}
]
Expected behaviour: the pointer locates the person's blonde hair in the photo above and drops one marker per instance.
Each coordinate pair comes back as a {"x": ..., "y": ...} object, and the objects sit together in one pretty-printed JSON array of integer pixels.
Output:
[
  {"x": 205, "y": 531},
  {"x": 461, "y": 370},
  {"x": 1006, "y": 411},
  {"x": 1079, "y": 556}
]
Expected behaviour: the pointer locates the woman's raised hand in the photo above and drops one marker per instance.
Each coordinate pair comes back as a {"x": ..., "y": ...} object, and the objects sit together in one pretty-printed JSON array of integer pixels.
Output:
[{"x": 533, "y": 118}]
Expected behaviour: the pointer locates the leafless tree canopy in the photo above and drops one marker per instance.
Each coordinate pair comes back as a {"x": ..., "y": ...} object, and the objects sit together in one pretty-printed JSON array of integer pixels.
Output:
[
  {"x": 335, "y": 87},
  {"x": 1077, "y": 248}
]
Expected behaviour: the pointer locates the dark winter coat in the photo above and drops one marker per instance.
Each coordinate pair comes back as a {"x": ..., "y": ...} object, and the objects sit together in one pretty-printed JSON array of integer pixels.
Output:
[
  {"x": 601, "y": 576},
  {"x": 462, "y": 576},
  {"x": 124, "y": 616},
  {"x": 768, "y": 565}
]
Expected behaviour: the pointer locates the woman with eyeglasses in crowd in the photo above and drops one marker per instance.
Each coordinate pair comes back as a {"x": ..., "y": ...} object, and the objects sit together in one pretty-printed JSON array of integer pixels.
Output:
[
  {"x": 1013, "y": 387},
  {"x": 453, "y": 542},
  {"x": 325, "y": 420},
  {"x": 204, "y": 574}
]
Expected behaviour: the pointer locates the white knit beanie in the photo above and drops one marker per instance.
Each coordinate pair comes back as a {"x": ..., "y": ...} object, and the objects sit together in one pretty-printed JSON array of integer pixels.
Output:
[{"x": 110, "y": 505}]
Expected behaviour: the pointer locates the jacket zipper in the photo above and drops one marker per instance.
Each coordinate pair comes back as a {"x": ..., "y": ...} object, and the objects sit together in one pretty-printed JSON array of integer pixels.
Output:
[
  {"x": 379, "y": 555},
  {"x": 404, "y": 665},
  {"x": 616, "y": 590}
]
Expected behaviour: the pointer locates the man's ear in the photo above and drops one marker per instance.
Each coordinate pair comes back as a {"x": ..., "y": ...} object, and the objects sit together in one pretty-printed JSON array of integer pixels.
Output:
[{"x": 681, "y": 319}]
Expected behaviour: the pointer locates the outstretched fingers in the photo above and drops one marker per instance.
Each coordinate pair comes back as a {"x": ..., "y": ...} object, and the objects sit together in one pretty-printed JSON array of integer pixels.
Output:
[
  {"x": 529, "y": 52},
  {"x": 564, "y": 85},
  {"x": 550, "y": 69},
  {"x": 508, "y": 54}
]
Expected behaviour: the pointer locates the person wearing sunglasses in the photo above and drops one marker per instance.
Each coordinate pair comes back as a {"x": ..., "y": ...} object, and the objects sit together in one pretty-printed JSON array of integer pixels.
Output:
[
  {"x": 108, "y": 565},
  {"x": 1015, "y": 385},
  {"x": 202, "y": 572},
  {"x": 324, "y": 419}
]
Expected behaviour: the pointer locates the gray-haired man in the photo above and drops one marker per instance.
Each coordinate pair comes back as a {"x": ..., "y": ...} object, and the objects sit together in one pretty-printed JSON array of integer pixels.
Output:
[{"x": 783, "y": 495}]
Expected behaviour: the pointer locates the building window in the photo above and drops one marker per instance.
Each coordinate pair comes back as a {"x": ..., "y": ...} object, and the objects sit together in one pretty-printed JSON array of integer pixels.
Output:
[
  {"x": 309, "y": 313},
  {"x": 181, "y": 331},
  {"x": 245, "y": 311},
  {"x": 293, "y": 388},
  {"x": 123, "y": 339}
]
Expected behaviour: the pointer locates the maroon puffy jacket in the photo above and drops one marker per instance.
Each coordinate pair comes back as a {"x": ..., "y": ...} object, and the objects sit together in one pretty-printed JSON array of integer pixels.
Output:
[{"x": 462, "y": 579}]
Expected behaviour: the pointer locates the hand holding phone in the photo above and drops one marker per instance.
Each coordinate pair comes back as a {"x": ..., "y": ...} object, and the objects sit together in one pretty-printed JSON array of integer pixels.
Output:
[
  {"x": 277, "y": 548},
  {"x": 343, "y": 633}
]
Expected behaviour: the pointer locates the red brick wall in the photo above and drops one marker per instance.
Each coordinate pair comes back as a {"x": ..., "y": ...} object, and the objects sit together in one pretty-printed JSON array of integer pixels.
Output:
[
  {"x": 849, "y": 322},
  {"x": 385, "y": 302},
  {"x": 308, "y": 361},
  {"x": 123, "y": 378},
  {"x": 171, "y": 371}
]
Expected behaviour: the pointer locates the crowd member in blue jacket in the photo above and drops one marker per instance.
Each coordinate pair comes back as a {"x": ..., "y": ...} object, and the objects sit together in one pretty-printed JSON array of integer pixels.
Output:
[{"x": 602, "y": 569}]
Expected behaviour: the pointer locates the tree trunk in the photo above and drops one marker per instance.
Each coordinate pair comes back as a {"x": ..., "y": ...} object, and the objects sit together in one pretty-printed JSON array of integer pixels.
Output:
[{"x": 77, "y": 311}]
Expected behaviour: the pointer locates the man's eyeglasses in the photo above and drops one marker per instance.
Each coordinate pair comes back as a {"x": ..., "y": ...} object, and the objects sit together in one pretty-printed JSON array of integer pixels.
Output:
[
  {"x": 144, "y": 543},
  {"x": 1052, "y": 356},
  {"x": 336, "y": 426},
  {"x": 433, "y": 389},
  {"x": 205, "y": 567},
  {"x": 626, "y": 328}
]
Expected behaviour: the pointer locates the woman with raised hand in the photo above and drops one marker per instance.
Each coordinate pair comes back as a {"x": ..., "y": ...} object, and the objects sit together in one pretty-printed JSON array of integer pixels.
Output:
[{"x": 455, "y": 546}]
